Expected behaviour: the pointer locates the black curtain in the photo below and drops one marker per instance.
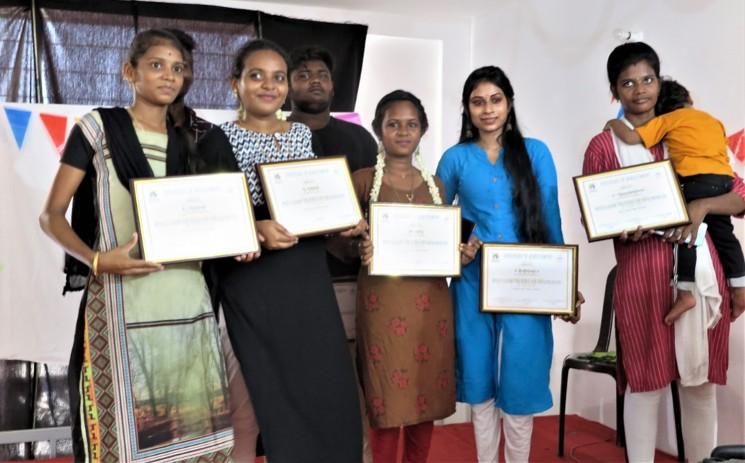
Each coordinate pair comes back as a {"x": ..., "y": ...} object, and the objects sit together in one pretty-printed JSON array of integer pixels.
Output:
[
  {"x": 84, "y": 43},
  {"x": 346, "y": 42},
  {"x": 81, "y": 45},
  {"x": 16, "y": 54},
  {"x": 76, "y": 59}
]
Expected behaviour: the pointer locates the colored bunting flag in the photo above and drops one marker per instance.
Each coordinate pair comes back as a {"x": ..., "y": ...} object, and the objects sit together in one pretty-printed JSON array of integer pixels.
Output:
[
  {"x": 737, "y": 145},
  {"x": 354, "y": 118},
  {"x": 18, "y": 119},
  {"x": 56, "y": 128}
]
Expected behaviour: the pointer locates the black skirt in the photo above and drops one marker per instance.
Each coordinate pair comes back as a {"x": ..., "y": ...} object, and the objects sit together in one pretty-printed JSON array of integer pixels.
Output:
[{"x": 286, "y": 331}]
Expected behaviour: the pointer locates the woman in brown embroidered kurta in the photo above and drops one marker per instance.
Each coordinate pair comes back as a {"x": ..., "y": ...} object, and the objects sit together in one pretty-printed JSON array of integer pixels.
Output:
[{"x": 404, "y": 325}]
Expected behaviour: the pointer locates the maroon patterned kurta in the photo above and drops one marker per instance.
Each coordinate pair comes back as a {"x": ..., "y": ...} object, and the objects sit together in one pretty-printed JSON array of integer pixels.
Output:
[
  {"x": 404, "y": 335},
  {"x": 643, "y": 296}
]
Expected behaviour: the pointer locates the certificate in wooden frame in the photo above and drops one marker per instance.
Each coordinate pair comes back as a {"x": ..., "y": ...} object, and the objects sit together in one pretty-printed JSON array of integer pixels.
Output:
[
  {"x": 451, "y": 213},
  {"x": 521, "y": 263},
  {"x": 673, "y": 214},
  {"x": 201, "y": 233},
  {"x": 274, "y": 174}
]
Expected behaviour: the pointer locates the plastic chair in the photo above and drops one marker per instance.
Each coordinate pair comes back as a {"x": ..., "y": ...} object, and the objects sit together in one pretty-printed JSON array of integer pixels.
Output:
[
  {"x": 588, "y": 362},
  {"x": 727, "y": 453}
]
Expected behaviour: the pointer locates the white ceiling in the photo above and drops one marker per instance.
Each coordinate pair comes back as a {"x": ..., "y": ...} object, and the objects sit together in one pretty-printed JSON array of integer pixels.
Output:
[{"x": 429, "y": 8}]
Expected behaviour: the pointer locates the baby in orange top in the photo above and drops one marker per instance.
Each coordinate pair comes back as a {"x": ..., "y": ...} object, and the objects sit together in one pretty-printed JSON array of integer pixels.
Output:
[{"x": 697, "y": 144}]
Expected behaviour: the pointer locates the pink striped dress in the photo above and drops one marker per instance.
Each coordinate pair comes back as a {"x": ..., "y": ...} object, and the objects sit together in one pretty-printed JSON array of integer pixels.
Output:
[{"x": 643, "y": 296}]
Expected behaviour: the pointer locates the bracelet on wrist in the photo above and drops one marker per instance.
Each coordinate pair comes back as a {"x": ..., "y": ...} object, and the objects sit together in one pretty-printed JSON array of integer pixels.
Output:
[{"x": 94, "y": 263}]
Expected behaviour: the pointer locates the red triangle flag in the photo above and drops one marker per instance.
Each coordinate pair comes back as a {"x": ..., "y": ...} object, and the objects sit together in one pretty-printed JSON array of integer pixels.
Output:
[
  {"x": 737, "y": 144},
  {"x": 56, "y": 128}
]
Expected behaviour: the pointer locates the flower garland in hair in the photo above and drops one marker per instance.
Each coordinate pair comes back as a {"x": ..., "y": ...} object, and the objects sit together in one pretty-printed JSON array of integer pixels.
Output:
[{"x": 378, "y": 177}]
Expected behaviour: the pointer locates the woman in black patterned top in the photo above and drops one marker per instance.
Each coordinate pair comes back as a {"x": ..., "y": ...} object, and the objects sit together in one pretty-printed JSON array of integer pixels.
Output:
[{"x": 280, "y": 310}]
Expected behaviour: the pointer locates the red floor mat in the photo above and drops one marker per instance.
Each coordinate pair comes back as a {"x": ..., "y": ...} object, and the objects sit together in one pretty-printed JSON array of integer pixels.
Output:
[{"x": 585, "y": 442}]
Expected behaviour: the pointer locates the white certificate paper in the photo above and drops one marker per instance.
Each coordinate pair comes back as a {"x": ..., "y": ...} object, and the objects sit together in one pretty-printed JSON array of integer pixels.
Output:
[
  {"x": 311, "y": 197},
  {"x": 646, "y": 195},
  {"x": 194, "y": 217},
  {"x": 538, "y": 279},
  {"x": 414, "y": 240}
]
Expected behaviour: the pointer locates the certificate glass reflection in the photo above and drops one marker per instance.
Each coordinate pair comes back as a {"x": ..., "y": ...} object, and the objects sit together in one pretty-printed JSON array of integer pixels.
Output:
[
  {"x": 311, "y": 197},
  {"x": 194, "y": 217},
  {"x": 524, "y": 278},
  {"x": 646, "y": 195},
  {"x": 415, "y": 240}
]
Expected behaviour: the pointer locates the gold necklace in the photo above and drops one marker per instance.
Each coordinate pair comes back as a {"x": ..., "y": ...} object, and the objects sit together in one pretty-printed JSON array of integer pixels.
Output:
[{"x": 410, "y": 195}]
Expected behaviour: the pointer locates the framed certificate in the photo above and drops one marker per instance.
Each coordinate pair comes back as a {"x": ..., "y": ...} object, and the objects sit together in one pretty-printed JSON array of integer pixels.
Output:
[
  {"x": 415, "y": 239},
  {"x": 529, "y": 278},
  {"x": 193, "y": 217},
  {"x": 646, "y": 195},
  {"x": 311, "y": 197}
]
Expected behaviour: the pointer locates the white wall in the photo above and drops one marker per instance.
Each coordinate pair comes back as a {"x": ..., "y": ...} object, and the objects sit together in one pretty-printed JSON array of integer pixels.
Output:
[{"x": 555, "y": 55}]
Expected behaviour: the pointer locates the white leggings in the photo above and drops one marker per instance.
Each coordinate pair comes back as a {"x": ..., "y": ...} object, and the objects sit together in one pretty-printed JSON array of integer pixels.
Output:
[
  {"x": 698, "y": 413},
  {"x": 518, "y": 430}
]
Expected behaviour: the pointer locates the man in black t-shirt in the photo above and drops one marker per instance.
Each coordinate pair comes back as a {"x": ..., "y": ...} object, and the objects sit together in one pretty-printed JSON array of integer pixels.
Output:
[{"x": 311, "y": 91}]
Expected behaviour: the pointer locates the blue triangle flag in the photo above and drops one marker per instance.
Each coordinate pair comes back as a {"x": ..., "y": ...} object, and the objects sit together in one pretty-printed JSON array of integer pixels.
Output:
[{"x": 18, "y": 119}]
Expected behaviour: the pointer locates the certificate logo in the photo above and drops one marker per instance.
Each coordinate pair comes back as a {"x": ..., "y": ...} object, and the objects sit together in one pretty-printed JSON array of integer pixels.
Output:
[
  {"x": 495, "y": 257},
  {"x": 591, "y": 187},
  {"x": 278, "y": 177}
]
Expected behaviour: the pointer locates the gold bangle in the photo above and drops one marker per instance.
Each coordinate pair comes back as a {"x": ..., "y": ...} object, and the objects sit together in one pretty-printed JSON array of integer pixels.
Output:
[{"x": 94, "y": 263}]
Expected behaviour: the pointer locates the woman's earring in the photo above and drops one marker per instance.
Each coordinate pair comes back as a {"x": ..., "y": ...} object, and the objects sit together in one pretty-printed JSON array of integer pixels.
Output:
[{"x": 241, "y": 111}]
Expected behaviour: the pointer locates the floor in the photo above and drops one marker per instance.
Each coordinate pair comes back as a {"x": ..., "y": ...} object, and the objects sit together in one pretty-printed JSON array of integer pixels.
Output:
[{"x": 586, "y": 442}]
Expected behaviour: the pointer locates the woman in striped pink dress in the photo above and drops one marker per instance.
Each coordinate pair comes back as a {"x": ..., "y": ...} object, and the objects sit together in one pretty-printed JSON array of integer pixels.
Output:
[{"x": 642, "y": 292}]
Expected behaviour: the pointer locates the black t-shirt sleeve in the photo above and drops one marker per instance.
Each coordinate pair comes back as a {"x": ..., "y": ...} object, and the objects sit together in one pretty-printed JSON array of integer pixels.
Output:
[
  {"x": 78, "y": 152},
  {"x": 215, "y": 153},
  {"x": 369, "y": 149},
  {"x": 316, "y": 145}
]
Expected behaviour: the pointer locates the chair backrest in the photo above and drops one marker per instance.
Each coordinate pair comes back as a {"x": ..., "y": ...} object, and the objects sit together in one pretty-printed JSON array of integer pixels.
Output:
[
  {"x": 728, "y": 452},
  {"x": 606, "y": 321}
]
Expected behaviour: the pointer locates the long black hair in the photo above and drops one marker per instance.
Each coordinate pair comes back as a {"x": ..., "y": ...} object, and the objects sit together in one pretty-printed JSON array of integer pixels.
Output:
[{"x": 526, "y": 196}]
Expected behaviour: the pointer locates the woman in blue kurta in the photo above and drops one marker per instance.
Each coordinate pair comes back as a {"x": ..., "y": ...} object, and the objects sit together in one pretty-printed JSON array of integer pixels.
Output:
[{"x": 506, "y": 185}]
